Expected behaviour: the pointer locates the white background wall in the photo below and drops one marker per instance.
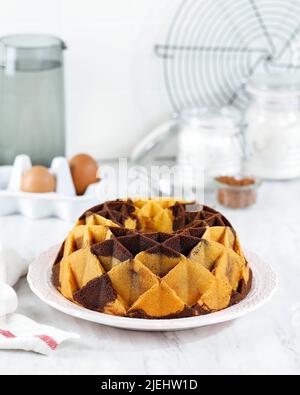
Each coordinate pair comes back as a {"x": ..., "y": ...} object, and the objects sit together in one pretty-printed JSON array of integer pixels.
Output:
[{"x": 115, "y": 91}]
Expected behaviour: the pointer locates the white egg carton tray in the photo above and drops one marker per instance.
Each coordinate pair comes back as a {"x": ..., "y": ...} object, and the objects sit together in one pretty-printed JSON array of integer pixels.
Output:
[{"x": 64, "y": 203}]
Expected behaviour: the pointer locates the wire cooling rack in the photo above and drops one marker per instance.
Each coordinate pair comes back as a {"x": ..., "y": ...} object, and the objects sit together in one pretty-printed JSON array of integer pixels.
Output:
[{"x": 213, "y": 48}]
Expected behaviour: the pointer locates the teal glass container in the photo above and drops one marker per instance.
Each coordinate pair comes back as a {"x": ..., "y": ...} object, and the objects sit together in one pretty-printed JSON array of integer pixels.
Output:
[{"x": 32, "y": 108}]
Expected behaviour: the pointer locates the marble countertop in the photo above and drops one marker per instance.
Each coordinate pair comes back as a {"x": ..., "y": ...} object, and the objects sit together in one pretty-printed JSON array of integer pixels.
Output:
[{"x": 265, "y": 342}]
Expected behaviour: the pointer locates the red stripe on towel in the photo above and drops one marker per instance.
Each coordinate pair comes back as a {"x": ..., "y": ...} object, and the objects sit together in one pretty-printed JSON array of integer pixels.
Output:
[
  {"x": 7, "y": 334},
  {"x": 49, "y": 341}
]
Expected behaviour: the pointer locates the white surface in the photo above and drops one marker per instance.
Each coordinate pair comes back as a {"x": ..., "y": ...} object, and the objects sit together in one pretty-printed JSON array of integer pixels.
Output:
[
  {"x": 115, "y": 92},
  {"x": 263, "y": 287},
  {"x": 265, "y": 342}
]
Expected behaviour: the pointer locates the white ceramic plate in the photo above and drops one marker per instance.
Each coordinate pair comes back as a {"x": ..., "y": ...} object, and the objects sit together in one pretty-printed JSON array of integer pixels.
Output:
[{"x": 264, "y": 285}]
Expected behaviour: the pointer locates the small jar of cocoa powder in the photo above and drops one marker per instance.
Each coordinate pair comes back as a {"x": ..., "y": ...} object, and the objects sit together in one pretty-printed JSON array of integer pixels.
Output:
[{"x": 237, "y": 192}]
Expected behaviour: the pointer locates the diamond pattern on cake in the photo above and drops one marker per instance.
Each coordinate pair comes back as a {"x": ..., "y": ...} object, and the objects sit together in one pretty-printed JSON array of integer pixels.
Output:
[{"x": 152, "y": 259}]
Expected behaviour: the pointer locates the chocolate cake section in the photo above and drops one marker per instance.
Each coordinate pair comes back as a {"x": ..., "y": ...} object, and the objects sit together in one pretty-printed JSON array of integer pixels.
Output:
[
  {"x": 159, "y": 237},
  {"x": 186, "y": 313},
  {"x": 119, "y": 232},
  {"x": 202, "y": 218},
  {"x": 137, "y": 243},
  {"x": 117, "y": 211},
  {"x": 195, "y": 232},
  {"x": 96, "y": 294},
  {"x": 56, "y": 267},
  {"x": 182, "y": 244},
  {"x": 242, "y": 291},
  {"x": 111, "y": 248}
]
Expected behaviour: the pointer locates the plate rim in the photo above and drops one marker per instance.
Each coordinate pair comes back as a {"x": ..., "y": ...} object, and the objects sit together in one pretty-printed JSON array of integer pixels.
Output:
[{"x": 137, "y": 324}]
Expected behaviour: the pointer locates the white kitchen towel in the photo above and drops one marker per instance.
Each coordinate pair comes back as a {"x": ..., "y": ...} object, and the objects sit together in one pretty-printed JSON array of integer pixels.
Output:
[
  {"x": 18, "y": 332},
  {"x": 12, "y": 266}
]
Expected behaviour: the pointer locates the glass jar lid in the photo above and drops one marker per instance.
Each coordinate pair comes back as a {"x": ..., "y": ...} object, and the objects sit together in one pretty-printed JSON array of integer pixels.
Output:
[
  {"x": 30, "y": 52},
  {"x": 275, "y": 84},
  {"x": 31, "y": 41},
  {"x": 224, "y": 120}
]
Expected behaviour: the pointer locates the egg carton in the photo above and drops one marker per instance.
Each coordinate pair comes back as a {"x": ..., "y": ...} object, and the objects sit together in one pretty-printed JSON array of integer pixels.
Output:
[{"x": 63, "y": 204}]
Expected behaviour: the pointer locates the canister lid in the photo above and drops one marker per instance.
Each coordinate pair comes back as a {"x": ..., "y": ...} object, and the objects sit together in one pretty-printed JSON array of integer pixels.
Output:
[
  {"x": 30, "y": 52},
  {"x": 210, "y": 118},
  {"x": 275, "y": 84},
  {"x": 31, "y": 41}
]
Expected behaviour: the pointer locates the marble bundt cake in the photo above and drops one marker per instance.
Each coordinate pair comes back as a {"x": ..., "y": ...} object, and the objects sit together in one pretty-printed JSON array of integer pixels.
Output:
[{"x": 152, "y": 259}]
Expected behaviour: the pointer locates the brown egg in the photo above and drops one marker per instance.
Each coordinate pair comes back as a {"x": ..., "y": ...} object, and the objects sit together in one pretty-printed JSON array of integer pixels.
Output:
[
  {"x": 38, "y": 179},
  {"x": 84, "y": 172}
]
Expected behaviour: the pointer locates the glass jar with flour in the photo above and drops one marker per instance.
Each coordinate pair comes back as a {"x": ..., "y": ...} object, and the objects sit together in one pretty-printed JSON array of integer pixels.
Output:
[
  {"x": 208, "y": 142},
  {"x": 210, "y": 139},
  {"x": 273, "y": 126}
]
